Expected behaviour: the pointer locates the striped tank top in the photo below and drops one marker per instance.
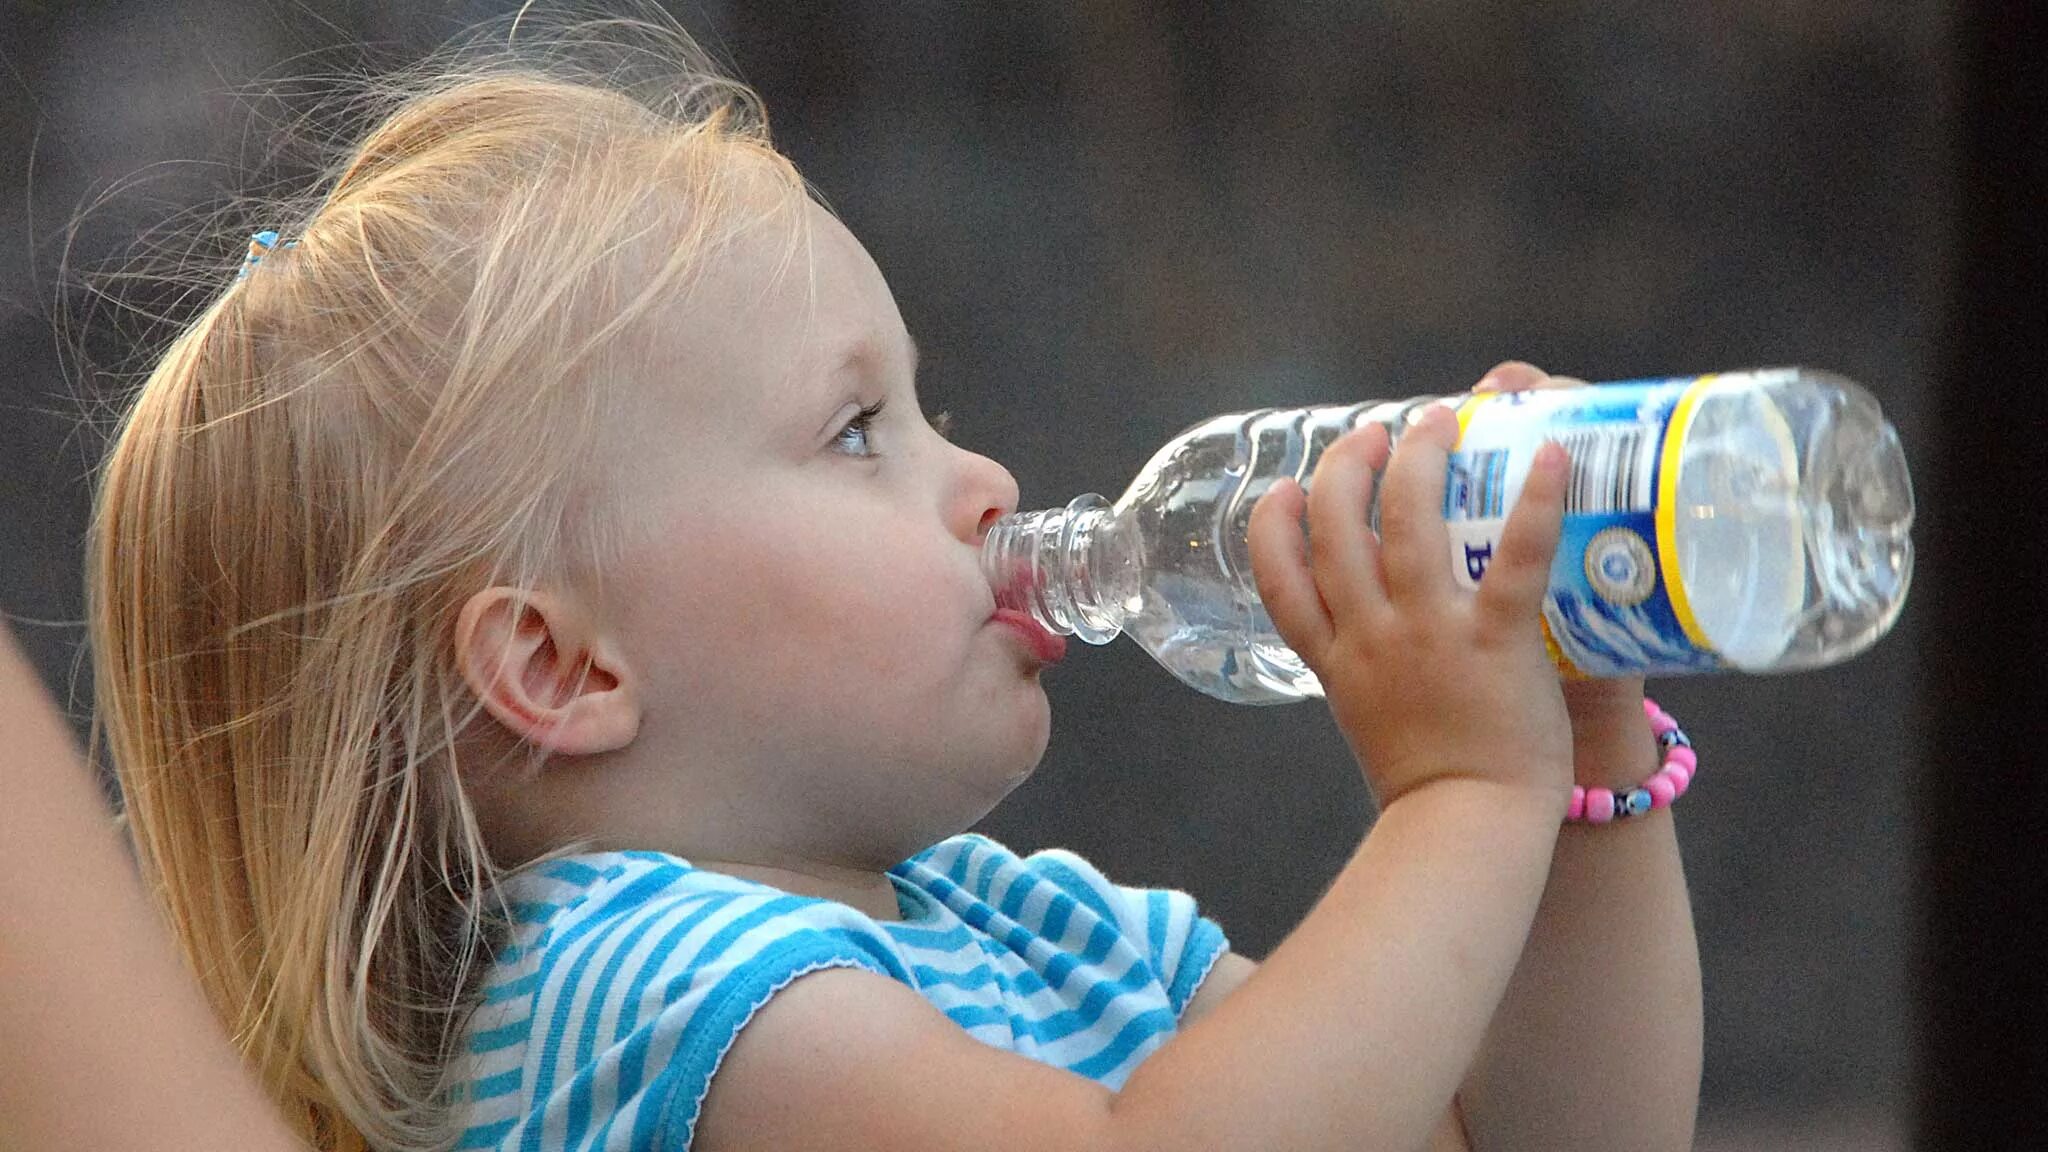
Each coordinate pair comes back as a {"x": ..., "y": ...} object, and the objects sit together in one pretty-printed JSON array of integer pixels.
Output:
[{"x": 630, "y": 974}]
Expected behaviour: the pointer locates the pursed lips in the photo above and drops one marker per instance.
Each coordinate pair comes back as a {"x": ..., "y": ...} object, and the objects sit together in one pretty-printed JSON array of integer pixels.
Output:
[{"x": 1048, "y": 646}]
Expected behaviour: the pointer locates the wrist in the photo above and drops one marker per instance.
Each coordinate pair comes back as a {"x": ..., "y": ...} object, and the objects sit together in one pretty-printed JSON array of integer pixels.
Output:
[
  {"x": 1599, "y": 805},
  {"x": 1617, "y": 758},
  {"x": 1613, "y": 745},
  {"x": 1502, "y": 801}
]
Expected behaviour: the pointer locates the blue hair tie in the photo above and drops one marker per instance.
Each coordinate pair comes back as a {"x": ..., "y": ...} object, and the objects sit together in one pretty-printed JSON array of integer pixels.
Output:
[{"x": 259, "y": 244}]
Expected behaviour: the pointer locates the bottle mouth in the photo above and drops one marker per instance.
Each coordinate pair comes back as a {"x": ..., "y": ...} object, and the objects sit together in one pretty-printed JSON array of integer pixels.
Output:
[
  {"x": 1041, "y": 563},
  {"x": 1007, "y": 567}
]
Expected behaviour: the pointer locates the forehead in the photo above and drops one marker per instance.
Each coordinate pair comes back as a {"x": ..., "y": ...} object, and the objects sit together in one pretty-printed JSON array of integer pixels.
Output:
[
  {"x": 772, "y": 319},
  {"x": 838, "y": 285}
]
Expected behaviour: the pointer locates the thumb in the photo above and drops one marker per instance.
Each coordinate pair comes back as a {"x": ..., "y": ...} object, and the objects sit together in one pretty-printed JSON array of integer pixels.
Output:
[
  {"x": 1280, "y": 569},
  {"x": 1512, "y": 590}
]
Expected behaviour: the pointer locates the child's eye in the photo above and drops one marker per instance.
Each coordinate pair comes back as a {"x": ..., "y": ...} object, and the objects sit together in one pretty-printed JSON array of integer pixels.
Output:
[{"x": 862, "y": 425}]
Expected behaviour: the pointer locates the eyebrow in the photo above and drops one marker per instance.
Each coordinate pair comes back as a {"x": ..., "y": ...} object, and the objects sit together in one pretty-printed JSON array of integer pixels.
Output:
[{"x": 864, "y": 349}]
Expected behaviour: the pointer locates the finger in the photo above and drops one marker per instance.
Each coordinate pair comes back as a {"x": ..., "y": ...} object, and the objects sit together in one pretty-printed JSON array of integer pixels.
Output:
[
  {"x": 1343, "y": 556},
  {"x": 1280, "y": 567},
  {"x": 1511, "y": 376},
  {"x": 1415, "y": 546},
  {"x": 1511, "y": 593}
]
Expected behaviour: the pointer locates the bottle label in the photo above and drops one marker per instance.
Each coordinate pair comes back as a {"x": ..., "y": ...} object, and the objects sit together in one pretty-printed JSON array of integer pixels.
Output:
[{"x": 1616, "y": 606}]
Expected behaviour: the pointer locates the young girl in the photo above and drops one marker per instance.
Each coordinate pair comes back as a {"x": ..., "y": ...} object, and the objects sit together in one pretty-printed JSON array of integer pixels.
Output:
[{"x": 546, "y": 661}]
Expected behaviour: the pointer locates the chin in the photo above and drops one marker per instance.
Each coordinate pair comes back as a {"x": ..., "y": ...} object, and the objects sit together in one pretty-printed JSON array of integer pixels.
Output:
[
  {"x": 1023, "y": 772},
  {"x": 1012, "y": 740},
  {"x": 1015, "y": 759},
  {"x": 994, "y": 794}
]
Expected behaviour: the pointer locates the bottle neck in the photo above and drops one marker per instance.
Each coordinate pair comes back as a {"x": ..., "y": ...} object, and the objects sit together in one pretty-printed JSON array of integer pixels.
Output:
[{"x": 1070, "y": 568}]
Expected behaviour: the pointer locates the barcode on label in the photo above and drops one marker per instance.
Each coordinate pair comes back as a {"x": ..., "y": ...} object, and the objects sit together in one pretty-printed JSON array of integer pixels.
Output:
[
  {"x": 1485, "y": 477},
  {"x": 1611, "y": 469}
]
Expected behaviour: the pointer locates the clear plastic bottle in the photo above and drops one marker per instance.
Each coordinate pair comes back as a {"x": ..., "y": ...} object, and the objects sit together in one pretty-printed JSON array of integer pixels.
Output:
[{"x": 1751, "y": 521}]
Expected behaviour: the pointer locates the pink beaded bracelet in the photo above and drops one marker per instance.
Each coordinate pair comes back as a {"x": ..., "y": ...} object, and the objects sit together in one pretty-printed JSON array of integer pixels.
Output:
[{"x": 1601, "y": 805}]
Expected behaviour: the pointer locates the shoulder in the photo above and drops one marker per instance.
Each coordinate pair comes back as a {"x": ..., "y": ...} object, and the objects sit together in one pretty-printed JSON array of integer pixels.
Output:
[
  {"x": 655, "y": 913},
  {"x": 570, "y": 902},
  {"x": 897, "y": 1073},
  {"x": 632, "y": 973},
  {"x": 668, "y": 927}
]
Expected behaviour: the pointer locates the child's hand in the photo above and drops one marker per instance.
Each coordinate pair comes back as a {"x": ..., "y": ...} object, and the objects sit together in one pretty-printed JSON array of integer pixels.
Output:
[
  {"x": 1427, "y": 679},
  {"x": 1609, "y": 733}
]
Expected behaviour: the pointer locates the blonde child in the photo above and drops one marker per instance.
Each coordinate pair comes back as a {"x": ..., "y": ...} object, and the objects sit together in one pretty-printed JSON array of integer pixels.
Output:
[{"x": 547, "y": 666}]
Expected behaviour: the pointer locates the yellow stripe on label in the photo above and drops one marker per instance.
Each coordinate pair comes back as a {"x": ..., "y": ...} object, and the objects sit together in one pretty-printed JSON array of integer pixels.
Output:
[
  {"x": 1667, "y": 510},
  {"x": 1565, "y": 667},
  {"x": 1470, "y": 405}
]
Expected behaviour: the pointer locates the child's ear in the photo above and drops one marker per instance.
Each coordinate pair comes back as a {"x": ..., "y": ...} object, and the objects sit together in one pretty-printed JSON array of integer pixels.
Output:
[{"x": 543, "y": 671}]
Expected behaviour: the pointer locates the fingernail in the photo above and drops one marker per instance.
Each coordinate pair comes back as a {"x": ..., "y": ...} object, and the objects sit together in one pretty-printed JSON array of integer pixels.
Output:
[{"x": 1487, "y": 383}]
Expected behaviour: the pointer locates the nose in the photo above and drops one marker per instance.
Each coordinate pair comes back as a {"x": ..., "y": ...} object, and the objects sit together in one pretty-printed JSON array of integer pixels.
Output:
[{"x": 985, "y": 493}]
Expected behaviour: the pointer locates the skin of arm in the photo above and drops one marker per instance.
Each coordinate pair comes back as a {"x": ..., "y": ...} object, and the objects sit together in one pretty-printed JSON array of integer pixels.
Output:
[
  {"x": 1232, "y": 970},
  {"x": 109, "y": 1043},
  {"x": 1597, "y": 1042}
]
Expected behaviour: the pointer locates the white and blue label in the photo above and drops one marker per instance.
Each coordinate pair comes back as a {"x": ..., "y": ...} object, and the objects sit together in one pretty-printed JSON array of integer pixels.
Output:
[{"x": 1611, "y": 610}]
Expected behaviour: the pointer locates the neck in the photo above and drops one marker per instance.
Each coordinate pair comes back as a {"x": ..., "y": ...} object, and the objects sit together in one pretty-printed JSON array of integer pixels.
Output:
[
  {"x": 653, "y": 799},
  {"x": 871, "y": 893}
]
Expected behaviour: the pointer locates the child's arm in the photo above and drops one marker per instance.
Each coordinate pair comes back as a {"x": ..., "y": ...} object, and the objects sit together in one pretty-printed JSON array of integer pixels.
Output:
[
  {"x": 108, "y": 1042},
  {"x": 1232, "y": 970},
  {"x": 1351, "y": 1036},
  {"x": 1597, "y": 1042},
  {"x": 1355, "y": 1032},
  {"x": 1604, "y": 1008}
]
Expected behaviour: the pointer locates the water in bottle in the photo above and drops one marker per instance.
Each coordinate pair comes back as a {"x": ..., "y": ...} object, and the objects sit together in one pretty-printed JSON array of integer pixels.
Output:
[{"x": 1752, "y": 521}]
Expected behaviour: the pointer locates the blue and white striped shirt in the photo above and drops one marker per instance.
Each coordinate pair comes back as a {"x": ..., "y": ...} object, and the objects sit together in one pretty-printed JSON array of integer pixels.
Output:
[{"x": 630, "y": 974}]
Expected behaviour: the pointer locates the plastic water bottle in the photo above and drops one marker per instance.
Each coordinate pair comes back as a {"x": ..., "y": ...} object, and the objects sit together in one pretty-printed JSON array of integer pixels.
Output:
[{"x": 1751, "y": 521}]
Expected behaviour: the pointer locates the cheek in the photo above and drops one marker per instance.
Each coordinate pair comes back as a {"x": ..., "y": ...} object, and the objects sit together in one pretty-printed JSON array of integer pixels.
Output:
[
  {"x": 810, "y": 602},
  {"x": 860, "y": 609}
]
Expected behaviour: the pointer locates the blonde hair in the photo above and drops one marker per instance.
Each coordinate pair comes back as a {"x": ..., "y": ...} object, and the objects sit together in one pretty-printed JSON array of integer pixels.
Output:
[{"x": 397, "y": 411}]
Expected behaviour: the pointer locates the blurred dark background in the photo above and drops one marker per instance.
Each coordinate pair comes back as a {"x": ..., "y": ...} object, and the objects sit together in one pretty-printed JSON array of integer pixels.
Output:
[{"x": 1104, "y": 221}]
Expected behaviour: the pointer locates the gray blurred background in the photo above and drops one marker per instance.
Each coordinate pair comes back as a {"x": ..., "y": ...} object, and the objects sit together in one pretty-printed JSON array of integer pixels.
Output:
[{"x": 1104, "y": 221}]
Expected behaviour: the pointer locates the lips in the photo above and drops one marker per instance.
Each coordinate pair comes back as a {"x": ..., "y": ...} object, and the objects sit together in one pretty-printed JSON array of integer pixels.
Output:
[
  {"x": 1014, "y": 590},
  {"x": 1049, "y": 647}
]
